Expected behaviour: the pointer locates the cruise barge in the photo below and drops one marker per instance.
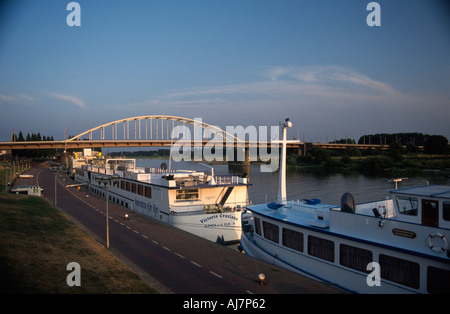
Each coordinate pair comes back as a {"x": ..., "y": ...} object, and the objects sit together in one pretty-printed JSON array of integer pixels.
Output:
[{"x": 198, "y": 202}]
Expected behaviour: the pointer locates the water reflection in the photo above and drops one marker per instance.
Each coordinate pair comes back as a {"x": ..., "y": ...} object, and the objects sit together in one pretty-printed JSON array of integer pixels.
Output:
[{"x": 327, "y": 188}]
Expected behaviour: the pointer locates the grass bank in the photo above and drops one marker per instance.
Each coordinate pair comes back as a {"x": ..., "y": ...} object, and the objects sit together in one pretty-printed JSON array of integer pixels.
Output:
[{"x": 37, "y": 242}]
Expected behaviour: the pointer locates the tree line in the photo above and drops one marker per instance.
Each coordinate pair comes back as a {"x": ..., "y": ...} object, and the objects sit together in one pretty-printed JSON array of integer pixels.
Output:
[
  {"x": 432, "y": 144},
  {"x": 32, "y": 153},
  {"x": 417, "y": 139},
  {"x": 28, "y": 138}
]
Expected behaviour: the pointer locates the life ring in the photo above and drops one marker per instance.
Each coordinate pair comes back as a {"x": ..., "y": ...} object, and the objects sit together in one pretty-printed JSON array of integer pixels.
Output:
[{"x": 437, "y": 242}]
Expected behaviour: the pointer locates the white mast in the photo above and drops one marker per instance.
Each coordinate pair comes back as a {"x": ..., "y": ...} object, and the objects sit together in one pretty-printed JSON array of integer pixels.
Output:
[{"x": 282, "y": 180}]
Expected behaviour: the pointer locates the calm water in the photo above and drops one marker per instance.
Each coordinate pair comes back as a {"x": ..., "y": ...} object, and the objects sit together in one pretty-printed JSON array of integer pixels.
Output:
[{"x": 327, "y": 188}]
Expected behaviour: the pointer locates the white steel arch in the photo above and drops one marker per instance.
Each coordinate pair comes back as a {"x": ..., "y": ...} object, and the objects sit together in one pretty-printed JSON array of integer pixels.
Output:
[{"x": 154, "y": 129}]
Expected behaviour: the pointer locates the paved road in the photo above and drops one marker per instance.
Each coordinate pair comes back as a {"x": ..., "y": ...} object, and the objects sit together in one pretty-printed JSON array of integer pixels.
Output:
[{"x": 176, "y": 261}]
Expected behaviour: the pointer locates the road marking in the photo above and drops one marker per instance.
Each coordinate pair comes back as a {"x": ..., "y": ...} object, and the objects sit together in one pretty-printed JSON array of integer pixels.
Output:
[
  {"x": 135, "y": 231},
  {"x": 145, "y": 236},
  {"x": 128, "y": 227},
  {"x": 178, "y": 254},
  {"x": 217, "y": 275},
  {"x": 249, "y": 292},
  {"x": 155, "y": 242},
  {"x": 198, "y": 265},
  {"x": 166, "y": 248}
]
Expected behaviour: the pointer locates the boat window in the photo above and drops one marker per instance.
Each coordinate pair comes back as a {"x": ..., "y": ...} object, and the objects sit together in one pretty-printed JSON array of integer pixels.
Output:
[
  {"x": 187, "y": 194},
  {"x": 122, "y": 184},
  {"x": 446, "y": 210},
  {"x": 271, "y": 231},
  {"x": 438, "y": 280},
  {"x": 355, "y": 258},
  {"x": 257, "y": 226},
  {"x": 133, "y": 187},
  {"x": 407, "y": 205},
  {"x": 430, "y": 213},
  {"x": 399, "y": 270},
  {"x": 148, "y": 192},
  {"x": 128, "y": 186},
  {"x": 293, "y": 239},
  {"x": 321, "y": 248},
  {"x": 140, "y": 189}
]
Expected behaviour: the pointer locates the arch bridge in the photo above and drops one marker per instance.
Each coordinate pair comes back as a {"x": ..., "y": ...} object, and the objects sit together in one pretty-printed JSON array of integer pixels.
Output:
[
  {"x": 156, "y": 131},
  {"x": 145, "y": 131}
]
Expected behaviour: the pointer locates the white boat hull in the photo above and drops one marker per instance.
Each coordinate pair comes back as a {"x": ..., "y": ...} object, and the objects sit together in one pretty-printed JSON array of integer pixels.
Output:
[{"x": 333, "y": 273}]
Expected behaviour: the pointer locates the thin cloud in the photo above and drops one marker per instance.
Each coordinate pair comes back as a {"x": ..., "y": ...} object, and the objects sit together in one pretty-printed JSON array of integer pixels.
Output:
[
  {"x": 16, "y": 98},
  {"x": 74, "y": 100},
  {"x": 332, "y": 77},
  {"x": 282, "y": 83}
]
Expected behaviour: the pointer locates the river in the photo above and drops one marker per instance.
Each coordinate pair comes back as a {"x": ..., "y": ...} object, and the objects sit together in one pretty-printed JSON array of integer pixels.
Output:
[{"x": 300, "y": 185}]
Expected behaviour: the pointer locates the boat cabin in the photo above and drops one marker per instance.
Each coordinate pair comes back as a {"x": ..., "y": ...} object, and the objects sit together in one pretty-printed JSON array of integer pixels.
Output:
[
  {"x": 427, "y": 205},
  {"x": 423, "y": 205}
]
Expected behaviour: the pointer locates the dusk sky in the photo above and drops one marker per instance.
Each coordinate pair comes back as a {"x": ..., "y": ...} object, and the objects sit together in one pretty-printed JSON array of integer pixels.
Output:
[{"x": 233, "y": 62}]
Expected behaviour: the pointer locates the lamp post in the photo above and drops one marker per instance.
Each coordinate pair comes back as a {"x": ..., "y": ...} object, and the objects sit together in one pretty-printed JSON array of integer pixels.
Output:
[
  {"x": 55, "y": 170},
  {"x": 107, "y": 180},
  {"x": 282, "y": 176}
]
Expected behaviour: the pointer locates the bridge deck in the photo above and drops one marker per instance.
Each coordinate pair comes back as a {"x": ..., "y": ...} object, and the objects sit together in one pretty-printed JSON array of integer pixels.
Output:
[{"x": 167, "y": 143}]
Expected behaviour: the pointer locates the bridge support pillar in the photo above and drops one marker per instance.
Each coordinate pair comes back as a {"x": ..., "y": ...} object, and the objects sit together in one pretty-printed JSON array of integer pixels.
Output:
[
  {"x": 241, "y": 155},
  {"x": 240, "y": 164}
]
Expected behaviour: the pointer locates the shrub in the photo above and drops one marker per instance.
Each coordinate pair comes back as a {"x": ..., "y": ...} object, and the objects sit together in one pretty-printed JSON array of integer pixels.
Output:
[
  {"x": 319, "y": 155},
  {"x": 436, "y": 144},
  {"x": 375, "y": 164}
]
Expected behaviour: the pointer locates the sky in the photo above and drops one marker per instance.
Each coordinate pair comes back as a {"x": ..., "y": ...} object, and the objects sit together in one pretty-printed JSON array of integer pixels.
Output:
[{"x": 234, "y": 62}]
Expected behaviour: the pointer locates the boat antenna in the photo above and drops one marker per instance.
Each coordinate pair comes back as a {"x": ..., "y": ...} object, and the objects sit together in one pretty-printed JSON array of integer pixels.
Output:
[{"x": 282, "y": 179}]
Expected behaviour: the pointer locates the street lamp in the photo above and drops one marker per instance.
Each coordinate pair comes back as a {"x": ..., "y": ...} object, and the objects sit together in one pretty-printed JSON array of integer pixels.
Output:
[
  {"x": 107, "y": 180},
  {"x": 282, "y": 175},
  {"x": 55, "y": 170}
]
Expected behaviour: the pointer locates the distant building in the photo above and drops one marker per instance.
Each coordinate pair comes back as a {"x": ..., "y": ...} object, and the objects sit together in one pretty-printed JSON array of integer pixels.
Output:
[{"x": 6, "y": 154}]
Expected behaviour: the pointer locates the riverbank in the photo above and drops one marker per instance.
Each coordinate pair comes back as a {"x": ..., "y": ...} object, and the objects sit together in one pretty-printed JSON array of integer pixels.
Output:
[
  {"x": 38, "y": 242},
  {"x": 384, "y": 165}
]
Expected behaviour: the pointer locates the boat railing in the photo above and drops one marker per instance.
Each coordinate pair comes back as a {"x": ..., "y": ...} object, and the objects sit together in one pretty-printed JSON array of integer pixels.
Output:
[
  {"x": 181, "y": 182},
  {"x": 208, "y": 180},
  {"x": 227, "y": 180}
]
